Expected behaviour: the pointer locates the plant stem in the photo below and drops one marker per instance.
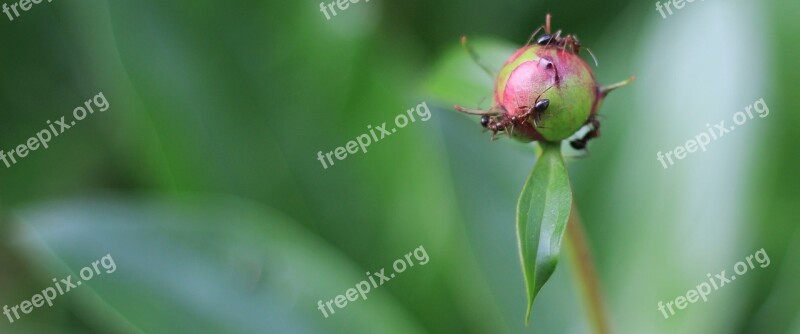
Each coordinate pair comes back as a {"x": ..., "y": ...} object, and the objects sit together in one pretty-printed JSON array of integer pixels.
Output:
[{"x": 587, "y": 279}]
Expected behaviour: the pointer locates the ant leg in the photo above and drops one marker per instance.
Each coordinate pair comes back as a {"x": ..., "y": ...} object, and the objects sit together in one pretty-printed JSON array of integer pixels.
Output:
[
  {"x": 536, "y": 119},
  {"x": 534, "y": 35},
  {"x": 495, "y": 135},
  {"x": 576, "y": 44},
  {"x": 594, "y": 125},
  {"x": 528, "y": 110},
  {"x": 477, "y": 111},
  {"x": 571, "y": 42},
  {"x": 534, "y": 114},
  {"x": 475, "y": 58},
  {"x": 523, "y": 116},
  {"x": 555, "y": 38},
  {"x": 567, "y": 40}
]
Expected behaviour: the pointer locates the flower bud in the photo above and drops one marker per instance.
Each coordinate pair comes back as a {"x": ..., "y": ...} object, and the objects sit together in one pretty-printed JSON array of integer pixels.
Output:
[
  {"x": 537, "y": 73},
  {"x": 545, "y": 92}
]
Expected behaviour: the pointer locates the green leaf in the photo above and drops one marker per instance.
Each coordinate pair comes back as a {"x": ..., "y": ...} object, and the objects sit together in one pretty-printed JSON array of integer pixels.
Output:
[
  {"x": 456, "y": 79},
  {"x": 201, "y": 264},
  {"x": 542, "y": 214}
]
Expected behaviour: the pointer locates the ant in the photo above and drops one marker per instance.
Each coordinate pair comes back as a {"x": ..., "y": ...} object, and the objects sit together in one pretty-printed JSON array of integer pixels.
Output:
[
  {"x": 497, "y": 120},
  {"x": 537, "y": 111},
  {"x": 594, "y": 132},
  {"x": 570, "y": 40}
]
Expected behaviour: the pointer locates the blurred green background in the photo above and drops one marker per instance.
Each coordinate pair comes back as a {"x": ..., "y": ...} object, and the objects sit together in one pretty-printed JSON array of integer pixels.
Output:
[{"x": 201, "y": 180}]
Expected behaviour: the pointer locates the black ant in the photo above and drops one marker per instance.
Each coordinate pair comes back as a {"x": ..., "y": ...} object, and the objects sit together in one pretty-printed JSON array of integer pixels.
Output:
[
  {"x": 497, "y": 120},
  {"x": 556, "y": 40},
  {"x": 536, "y": 112},
  {"x": 594, "y": 132}
]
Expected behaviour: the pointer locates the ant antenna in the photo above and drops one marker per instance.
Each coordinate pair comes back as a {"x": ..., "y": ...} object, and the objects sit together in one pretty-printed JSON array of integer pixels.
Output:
[
  {"x": 483, "y": 99},
  {"x": 596, "y": 64},
  {"x": 475, "y": 58},
  {"x": 540, "y": 94}
]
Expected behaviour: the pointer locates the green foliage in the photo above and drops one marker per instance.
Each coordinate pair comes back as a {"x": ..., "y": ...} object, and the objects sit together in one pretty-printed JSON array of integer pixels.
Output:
[
  {"x": 542, "y": 214},
  {"x": 201, "y": 264},
  {"x": 238, "y": 97}
]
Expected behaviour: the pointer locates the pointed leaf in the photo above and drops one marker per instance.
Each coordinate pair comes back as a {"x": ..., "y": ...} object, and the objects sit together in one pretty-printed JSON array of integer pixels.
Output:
[{"x": 542, "y": 214}]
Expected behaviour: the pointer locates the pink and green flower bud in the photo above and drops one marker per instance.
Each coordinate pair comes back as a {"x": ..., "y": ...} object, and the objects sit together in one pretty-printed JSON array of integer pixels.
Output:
[
  {"x": 534, "y": 73},
  {"x": 544, "y": 92}
]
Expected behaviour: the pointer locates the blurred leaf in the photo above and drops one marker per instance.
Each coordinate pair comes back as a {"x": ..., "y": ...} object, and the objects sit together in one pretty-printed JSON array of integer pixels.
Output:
[
  {"x": 204, "y": 265},
  {"x": 457, "y": 79},
  {"x": 542, "y": 214}
]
